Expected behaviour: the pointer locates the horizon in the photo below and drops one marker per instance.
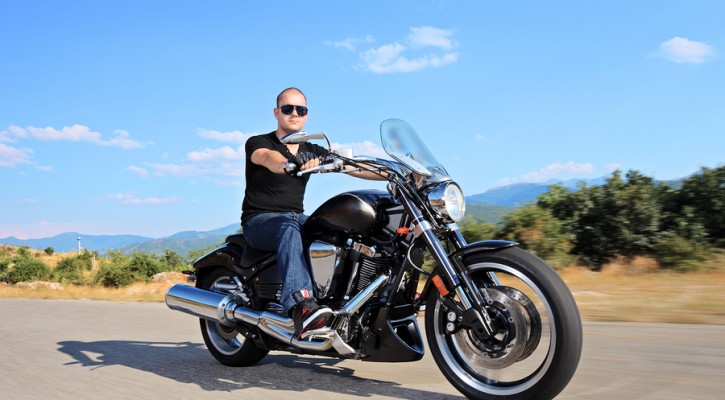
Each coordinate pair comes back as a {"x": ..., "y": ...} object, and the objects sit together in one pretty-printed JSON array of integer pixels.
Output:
[{"x": 131, "y": 118}]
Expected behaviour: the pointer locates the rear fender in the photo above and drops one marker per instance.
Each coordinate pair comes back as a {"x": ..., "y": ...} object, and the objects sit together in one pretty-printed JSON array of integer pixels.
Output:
[{"x": 227, "y": 256}]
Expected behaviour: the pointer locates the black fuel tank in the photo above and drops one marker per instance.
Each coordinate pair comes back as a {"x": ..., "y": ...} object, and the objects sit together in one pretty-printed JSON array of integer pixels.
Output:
[{"x": 350, "y": 213}]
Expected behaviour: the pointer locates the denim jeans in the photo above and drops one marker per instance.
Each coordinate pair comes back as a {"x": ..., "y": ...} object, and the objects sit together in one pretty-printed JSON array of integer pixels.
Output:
[{"x": 282, "y": 232}]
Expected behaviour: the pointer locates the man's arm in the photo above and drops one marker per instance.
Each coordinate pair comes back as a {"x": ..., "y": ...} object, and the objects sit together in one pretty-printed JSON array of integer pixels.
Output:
[
  {"x": 271, "y": 159},
  {"x": 274, "y": 161}
]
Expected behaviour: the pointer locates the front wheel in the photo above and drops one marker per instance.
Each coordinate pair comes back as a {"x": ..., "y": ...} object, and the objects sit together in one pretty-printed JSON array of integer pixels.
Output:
[
  {"x": 225, "y": 343},
  {"x": 537, "y": 340}
]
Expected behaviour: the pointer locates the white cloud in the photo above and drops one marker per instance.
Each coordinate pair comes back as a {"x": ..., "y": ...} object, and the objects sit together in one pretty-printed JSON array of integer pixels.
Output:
[
  {"x": 429, "y": 36},
  {"x": 228, "y": 137},
  {"x": 11, "y": 134},
  {"x": 138, "y": 170},
  {"x": 127, "y": 198},
  {"x": 75, "y": 133},
  {"x": 350, "y": 44},
  {"x": 213, "y": 164},
  {"x": 123, "y": 140},
  {"x": 215, "y": 155},
  {"x": 11, "y": 156},
  {"x": 556, "y": 170},
  {"x": 681, "y": 50},
  {"x": 423, "y": 47}
]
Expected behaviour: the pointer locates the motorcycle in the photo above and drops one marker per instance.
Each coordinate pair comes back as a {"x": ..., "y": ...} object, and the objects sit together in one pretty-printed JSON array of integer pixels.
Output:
[{"x": 500, "y": 322}]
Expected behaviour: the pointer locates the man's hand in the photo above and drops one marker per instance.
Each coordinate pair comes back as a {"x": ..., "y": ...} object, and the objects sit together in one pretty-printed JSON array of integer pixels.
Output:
[{"x": 305, "y": 160}]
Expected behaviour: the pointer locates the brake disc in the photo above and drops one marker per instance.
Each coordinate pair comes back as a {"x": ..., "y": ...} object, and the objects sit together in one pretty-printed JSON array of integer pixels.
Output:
[{"x": 506, "y": 345}]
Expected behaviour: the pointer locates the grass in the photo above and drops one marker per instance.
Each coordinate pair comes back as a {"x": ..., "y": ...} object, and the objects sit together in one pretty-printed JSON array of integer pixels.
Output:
[{"x": 632, "y": 291}]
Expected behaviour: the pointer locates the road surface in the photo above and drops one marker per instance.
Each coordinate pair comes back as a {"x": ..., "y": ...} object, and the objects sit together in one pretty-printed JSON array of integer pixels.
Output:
[{"x": 76, "y": 349}]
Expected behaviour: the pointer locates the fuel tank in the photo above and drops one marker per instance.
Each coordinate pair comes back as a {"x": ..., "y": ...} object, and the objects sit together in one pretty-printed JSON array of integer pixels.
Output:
[{"x": 350, "y": 213}]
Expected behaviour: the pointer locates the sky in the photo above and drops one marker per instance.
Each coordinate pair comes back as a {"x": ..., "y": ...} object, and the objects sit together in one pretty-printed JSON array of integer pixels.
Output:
[{"x": 130, "y": 117}]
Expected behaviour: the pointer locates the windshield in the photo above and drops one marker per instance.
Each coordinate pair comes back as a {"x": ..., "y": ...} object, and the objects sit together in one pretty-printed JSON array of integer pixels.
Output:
[{"x": 402, "y": 143}]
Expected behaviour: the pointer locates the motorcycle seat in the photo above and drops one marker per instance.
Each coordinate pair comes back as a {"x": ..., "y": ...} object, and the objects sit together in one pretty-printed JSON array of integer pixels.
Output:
[{"x": 250, "y": 255}]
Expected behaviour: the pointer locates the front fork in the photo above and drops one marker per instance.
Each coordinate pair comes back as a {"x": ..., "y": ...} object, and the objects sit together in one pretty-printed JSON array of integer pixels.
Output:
[{"x": 471, "y": 299}]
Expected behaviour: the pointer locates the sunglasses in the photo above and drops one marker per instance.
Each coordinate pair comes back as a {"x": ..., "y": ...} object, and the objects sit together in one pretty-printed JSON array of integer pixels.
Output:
[{"x": 287, "y": 110}]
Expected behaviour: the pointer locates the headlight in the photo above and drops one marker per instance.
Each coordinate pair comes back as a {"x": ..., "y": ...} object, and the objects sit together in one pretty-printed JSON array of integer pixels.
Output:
[{"x": 447, "y": 201}]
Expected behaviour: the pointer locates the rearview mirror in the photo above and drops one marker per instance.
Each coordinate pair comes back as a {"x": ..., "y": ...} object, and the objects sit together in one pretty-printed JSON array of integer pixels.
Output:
[{"x": 301, "y": 137}]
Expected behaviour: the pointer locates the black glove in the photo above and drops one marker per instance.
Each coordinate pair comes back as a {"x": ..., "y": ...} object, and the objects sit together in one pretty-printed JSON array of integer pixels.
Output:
[{"x": 302, "y": 157}]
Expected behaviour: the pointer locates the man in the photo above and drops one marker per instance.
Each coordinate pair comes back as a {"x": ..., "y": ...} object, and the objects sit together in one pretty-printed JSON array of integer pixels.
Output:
[{"x": 272, "y": 211}]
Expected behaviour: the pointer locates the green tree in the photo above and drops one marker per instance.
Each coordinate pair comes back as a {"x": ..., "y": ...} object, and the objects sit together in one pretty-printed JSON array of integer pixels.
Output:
[
  {"x": 704, "y": 194},
  {"x": 474, "y": 231},
  {"x": 144, "y": 265},
  {"x": 538, "y": 232},
  {"x": 172, "y": 261}
]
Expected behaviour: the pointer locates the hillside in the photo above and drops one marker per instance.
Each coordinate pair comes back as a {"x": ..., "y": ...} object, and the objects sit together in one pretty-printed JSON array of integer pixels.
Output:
[{"x": 182, "y": 242}]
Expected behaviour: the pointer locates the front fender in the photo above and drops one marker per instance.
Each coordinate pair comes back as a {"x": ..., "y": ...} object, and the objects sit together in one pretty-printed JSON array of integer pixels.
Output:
[{"x": 482, "y": 247}]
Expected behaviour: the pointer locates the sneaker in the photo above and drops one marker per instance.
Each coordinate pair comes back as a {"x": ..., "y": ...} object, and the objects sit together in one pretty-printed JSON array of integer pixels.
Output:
[{"x": 308, "y": 315}]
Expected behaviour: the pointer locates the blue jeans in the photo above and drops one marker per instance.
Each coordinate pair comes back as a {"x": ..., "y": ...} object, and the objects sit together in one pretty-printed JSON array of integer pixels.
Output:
[{"x": 281, "y": 232}]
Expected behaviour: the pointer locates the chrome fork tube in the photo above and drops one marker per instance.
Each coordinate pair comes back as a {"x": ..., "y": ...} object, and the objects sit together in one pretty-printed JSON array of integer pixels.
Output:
[{"x": 424, "y": 228}]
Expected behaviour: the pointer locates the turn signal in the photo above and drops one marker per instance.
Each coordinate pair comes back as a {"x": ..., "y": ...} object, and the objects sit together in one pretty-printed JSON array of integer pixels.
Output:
[{"x": 440, "y": 286}]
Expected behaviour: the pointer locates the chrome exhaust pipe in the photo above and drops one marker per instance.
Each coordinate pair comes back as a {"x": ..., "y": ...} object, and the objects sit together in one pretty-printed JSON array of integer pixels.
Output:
[{"x": 225, "y": 310}]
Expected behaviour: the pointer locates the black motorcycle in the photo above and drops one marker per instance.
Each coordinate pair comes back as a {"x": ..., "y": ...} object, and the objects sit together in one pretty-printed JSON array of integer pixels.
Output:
[{"x": 500, "y": 322}]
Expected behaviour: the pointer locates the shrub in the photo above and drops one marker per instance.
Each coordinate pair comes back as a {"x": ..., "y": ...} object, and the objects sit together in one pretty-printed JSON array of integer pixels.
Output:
[
  {"x": 49, "y": 251},
  {"x": 676, "y": 252},
  {"x": 70, "y": 270},
  {"x": 114, "y": 275},
  {"x": 144, "y": 266},
  {"x": 27, "y": 269}
]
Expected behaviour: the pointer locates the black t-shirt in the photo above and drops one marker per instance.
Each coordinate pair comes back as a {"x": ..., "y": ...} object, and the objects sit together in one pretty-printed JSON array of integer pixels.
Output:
[{"x": 267, "y": 191}]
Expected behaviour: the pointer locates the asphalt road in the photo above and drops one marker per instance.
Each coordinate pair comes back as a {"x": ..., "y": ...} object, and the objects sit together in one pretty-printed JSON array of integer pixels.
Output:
[{"x": 76, "y": 349}]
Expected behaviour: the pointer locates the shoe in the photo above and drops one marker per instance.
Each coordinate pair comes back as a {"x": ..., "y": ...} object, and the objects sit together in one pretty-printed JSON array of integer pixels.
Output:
[{"x": 308, "y": 315}]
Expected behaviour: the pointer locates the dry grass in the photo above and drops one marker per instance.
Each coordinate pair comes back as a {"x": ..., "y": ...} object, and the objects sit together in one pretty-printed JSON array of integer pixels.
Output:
[
  {"x": 148, "y": 292},
  {"x": 633, "y": 291}
]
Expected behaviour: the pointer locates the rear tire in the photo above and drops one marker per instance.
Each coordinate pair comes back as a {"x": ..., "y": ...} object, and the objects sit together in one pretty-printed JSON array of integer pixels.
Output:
[
  {"x": 225, "y": 343},
  {"x": 539, "y": 341}
]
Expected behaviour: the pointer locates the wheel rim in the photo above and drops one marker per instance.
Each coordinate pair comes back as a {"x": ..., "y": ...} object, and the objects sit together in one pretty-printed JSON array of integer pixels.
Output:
[
  {"x": 226, "y": 340},
  {"x": 474, "y": 368}
]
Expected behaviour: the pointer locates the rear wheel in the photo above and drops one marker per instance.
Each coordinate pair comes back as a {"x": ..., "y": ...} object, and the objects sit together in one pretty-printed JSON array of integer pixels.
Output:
[
  {"x": 225, "y": 343},
  {"x": 537, "y": 340}
]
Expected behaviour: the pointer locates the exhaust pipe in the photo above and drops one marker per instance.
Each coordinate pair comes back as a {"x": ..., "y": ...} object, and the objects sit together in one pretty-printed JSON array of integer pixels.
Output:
[{"x": 224, "y": 309}]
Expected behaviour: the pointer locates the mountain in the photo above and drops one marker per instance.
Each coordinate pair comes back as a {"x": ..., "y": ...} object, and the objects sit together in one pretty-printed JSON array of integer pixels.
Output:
[
  {"x": 519, "y": 194},
  {"x": 68, "y": 241},
  {"x": 182, "y": 242}
]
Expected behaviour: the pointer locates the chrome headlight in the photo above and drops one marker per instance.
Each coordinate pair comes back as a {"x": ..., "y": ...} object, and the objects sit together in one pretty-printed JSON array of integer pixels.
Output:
[{"x": 448, "y": 202}]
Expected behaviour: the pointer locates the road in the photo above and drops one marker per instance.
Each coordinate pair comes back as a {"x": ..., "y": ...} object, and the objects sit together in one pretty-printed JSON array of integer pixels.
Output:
[{"x": 76, "y": 349}]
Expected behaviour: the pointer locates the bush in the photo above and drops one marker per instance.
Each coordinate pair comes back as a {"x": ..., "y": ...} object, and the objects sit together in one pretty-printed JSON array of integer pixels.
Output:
[
  {"x": 27, "y": 269},
  {"x": 49, "y": 251},
  {"x": 114, "y": 275},
  {"x": 678, "y": 253},
  {"x": 144, "y": 266},
  {"x": 70, "y": 270}
]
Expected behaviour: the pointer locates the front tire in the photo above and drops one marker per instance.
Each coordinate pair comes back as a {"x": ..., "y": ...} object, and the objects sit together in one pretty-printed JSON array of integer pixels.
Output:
[
  {"x": 538, "y": 340},
  {"x": 225, "y": 343}
]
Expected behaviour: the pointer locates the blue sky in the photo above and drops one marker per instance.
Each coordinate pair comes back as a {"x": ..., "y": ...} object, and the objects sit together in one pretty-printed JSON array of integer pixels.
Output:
[{"x": 130, "y": 117}]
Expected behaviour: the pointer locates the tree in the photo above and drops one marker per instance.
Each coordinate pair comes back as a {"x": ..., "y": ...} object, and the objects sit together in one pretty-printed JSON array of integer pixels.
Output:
[{"x": 537, "y": 231}]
